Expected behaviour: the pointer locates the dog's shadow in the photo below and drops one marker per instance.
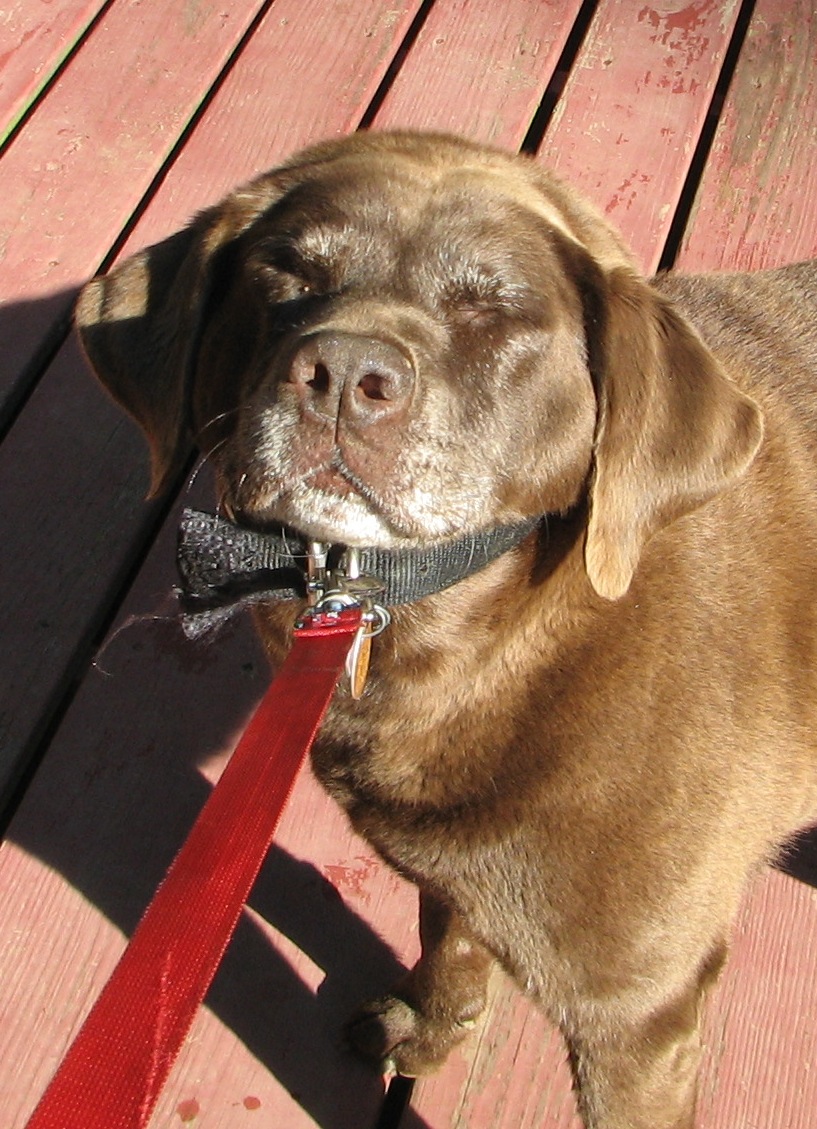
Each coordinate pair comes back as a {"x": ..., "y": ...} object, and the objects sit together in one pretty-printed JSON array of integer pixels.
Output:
[{"x": 113, "y": 802}]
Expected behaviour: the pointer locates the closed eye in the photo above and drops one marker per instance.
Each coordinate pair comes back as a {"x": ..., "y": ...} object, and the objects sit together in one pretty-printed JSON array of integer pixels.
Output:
[
  {"x": 279, "y": 264},
  {"x": 468, "y": 305},
  {"x": 470, "y": 308}
]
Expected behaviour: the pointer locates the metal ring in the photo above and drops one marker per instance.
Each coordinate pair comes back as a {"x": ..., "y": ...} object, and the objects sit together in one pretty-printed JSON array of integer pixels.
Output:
[{"x": 375, "y": 628}]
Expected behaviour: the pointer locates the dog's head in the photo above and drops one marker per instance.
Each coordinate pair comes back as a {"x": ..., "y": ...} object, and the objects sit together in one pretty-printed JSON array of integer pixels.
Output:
[{"x": 396, "y": 339}]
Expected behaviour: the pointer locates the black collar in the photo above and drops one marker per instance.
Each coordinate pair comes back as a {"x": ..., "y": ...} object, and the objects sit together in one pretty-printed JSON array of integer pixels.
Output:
[{"x": 224, "y": 566}]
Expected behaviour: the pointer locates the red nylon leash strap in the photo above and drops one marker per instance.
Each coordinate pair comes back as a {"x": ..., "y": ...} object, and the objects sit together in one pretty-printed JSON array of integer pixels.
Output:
[{"x": 114, "y": 1071}]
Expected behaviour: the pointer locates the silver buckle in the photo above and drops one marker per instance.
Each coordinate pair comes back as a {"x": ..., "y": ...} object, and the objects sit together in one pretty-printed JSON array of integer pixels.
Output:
[{"x": 331, "y": 590}]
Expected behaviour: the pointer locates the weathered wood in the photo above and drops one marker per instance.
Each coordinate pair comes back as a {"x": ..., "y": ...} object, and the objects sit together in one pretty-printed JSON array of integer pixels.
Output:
[
  {"x": 73, "y": 178},
  {"x": 37, "y": 36},
  {"x": 760, "y": 1031},
  {"x": 309, "y": 72},
  {"x": 756, "y": 207},
  {"x": 479, "y": 68},
  {"x": 757, "y": 201},
  {"x": 632, "y": 110},
  {"x": 512, "y": 1074}
]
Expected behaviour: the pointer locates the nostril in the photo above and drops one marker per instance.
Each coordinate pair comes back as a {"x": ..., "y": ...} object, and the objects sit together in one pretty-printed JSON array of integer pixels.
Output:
[
  {"x": 321, "y": 379},
  {"x": 351, "y": 379},
  {"x": 372, "y": 386}
]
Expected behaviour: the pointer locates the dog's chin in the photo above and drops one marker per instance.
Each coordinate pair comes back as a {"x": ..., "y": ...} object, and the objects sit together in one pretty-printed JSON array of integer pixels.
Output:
[{"x": 319, "y": 515}]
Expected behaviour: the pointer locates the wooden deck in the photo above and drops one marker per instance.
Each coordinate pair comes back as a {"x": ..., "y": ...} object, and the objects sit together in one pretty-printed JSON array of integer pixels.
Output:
[{"x": 693, "y": 124}]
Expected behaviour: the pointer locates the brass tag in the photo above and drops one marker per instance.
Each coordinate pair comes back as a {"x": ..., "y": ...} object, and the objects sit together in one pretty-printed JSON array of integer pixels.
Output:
[{"x": 357, "y": 661}]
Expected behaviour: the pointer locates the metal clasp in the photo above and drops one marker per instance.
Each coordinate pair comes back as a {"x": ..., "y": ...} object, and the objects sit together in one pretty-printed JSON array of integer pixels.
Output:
[
  {"x": 317, "y": 553},
  {"x": 331, "y": 590}
]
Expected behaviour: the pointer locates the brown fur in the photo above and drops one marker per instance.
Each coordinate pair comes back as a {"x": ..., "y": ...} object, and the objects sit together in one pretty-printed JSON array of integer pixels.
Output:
[{"x": 581, "y": 752}]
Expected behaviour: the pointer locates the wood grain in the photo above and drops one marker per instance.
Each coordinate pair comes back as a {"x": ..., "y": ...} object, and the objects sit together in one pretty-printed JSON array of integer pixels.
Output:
[
  {"x": 757, "y": 200},
  {"x": 73, "y": 178},
  {"x": 309, "y": 72},
  {"x": 479, "y": 68},
  {"x": 625, "y": 129},
  {"x": 37, "y": 36}
]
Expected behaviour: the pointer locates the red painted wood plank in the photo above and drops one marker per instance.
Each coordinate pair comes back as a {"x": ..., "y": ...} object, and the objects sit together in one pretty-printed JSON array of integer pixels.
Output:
[
  {"x": 512, "y": 1074},
  {"x": 74, "y": 175},
  {"x": 111, "y": 118},
  {"x": 37, "y": 36},
  {"x": 309, "y": 72},
  {"x": 757, "y": 207},
  {"x": 631, "y": 113},
  {"x": 761, "y": 1033},
  {"x": 757, "y": 202},
  {"x": 129, "y": 769},
  {"x": 479, "y": 68}
]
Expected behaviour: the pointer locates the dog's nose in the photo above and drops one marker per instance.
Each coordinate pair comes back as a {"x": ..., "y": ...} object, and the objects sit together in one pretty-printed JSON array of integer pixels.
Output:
[{"x": 347, "y": 377}]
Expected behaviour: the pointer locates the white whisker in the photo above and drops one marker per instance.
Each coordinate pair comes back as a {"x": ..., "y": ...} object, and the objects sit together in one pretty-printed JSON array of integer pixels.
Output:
[{"x": 197, "y": 469}]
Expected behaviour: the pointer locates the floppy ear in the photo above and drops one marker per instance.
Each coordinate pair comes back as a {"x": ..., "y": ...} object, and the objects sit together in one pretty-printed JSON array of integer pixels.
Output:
[
  {"x": 139, "y": 326},
  {"x": 672, "y": 429}
]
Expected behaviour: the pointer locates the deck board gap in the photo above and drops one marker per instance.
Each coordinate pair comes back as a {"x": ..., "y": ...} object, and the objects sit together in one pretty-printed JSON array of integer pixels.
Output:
[
  {"x": 541, "y": 119},
  {"x": 22, "y": 114},
  {"x": 393, "y": 69},
  {"x": 678, "y": 227},
  {"x": 395, "y": 1103},
  {"x": 184, "y": 135}
]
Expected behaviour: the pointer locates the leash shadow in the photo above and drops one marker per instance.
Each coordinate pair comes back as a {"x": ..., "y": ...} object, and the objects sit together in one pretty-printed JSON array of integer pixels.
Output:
[{"x": 113, "y": 802}]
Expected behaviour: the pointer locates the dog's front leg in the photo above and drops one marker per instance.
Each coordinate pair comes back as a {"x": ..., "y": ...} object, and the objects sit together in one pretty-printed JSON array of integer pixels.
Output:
[{"x": 432, "y": 1009}]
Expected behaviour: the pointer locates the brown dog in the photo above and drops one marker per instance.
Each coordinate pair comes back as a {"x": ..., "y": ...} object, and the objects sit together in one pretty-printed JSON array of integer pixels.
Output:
[{"x": 581, "y": 751}]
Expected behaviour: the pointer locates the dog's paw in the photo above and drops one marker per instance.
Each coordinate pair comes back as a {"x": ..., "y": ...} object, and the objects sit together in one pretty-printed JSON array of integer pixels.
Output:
[{"x": 399, "y": 1039}]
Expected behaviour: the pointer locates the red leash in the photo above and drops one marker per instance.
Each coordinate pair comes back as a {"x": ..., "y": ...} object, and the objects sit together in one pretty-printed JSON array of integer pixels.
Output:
[{"x": 116, "y": 1067}]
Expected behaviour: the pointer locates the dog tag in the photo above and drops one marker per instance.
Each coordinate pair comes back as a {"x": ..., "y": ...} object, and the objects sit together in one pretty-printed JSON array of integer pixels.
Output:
[{"x": 357, "y": 661}]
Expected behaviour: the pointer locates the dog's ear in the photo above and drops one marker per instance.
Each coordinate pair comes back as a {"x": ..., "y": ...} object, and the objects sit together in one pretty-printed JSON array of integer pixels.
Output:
[
  {"x": 672, "y": 430},
  {"x": 141, "y": 324},
  {"x": 139, "y": 327}
]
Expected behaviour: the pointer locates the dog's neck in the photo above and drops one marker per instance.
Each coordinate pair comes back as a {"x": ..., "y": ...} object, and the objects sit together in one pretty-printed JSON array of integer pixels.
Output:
[{"x": 225, "y": 566}]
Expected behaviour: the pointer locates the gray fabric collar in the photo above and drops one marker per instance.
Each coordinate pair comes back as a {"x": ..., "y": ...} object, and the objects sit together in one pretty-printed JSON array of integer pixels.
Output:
[{"x": 225, "y": 566}]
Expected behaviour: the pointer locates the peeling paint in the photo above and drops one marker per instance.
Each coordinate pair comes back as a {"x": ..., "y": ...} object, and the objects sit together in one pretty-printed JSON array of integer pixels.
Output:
[
  {"x": 351, "y": 877},
  {"x": 188, "y": 1110},
  {"x": 627, "y": 192},
  {"x": 681, "y": 33}
]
